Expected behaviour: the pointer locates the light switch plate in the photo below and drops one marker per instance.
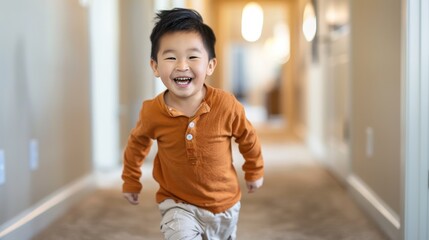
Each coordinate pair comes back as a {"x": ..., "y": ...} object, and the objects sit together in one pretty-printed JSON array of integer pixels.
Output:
[
  {"x": 2, "y": 168},
  {"x": 369, "y": 142},
  {"x": 34, "y": 154}
]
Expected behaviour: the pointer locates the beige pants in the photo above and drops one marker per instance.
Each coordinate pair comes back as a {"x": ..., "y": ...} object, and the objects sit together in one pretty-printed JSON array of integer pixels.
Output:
[{"x": 182, "y": 221}]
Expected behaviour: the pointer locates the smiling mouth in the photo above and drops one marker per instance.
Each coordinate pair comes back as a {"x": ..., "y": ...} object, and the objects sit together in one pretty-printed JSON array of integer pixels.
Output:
[{"x": 182, "y": 80}]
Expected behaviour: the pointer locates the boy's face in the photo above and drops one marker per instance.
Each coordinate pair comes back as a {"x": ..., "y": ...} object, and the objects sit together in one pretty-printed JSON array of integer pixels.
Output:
[{"x": 183, "y": 64}]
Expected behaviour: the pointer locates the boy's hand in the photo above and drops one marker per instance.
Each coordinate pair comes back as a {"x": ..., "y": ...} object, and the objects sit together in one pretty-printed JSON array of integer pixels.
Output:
[
  {"x": 132, "y": 198},
  {"x": 252, "y": 186}
]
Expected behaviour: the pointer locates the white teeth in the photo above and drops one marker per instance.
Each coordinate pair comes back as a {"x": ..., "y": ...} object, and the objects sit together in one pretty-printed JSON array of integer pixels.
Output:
[{"x": 183, "y": 79}]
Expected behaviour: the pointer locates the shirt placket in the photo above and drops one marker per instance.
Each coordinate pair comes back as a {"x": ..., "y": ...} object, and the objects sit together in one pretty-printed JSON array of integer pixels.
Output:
[
  {"x": 191, "y": 135},
  {"x": 191, "y": 141}
]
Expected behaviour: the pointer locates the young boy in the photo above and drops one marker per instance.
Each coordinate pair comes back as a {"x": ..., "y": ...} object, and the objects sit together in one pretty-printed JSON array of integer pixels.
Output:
[{"x": 193, "y": 124}]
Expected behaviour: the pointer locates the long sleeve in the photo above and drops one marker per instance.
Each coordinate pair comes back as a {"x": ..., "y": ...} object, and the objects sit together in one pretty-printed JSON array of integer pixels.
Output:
[
  {"x": 138, "y": 146},
  {"x": 248, "y": 145}
]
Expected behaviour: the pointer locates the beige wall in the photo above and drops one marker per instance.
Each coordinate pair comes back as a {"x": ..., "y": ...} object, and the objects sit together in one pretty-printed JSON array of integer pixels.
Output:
[
  {"x": 376, "y": 99},
  {"x": 44, "y": 95}
]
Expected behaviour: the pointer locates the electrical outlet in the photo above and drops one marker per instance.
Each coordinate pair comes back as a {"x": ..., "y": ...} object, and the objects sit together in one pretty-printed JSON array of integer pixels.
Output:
[
  {"x": 34, "y": 154},
  {"x": 2, "y": 168},
  {"x": 369, "y": 142}
]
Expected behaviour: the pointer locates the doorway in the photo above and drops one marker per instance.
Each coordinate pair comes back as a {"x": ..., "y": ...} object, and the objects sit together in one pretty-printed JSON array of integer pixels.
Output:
[
  {"x": 104, "y": 84},
  {"x": 255, "y": 71}
]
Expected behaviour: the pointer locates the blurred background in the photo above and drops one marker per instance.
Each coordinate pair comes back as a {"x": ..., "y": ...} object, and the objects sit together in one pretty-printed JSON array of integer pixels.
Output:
[{"x": 334, "y": 77}]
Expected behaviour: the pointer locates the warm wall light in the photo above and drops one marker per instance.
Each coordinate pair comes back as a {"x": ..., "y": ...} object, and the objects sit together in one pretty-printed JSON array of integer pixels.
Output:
[
  {"x": 309, "y": 24},
  {"x": 252, "y": 19},
  {"x": 278, "y": 46},
  {"x": 337, "y": 17},
  {"x": 84, "y": 3}
]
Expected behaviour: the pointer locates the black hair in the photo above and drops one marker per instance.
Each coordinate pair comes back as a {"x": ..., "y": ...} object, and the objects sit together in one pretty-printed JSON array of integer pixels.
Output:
[{"x": 181, "y": 19}]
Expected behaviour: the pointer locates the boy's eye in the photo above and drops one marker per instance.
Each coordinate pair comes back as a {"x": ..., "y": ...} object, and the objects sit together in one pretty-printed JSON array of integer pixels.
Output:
[
  {"x": 170, "y": 58},
  {"x": 193, "y": 57}
]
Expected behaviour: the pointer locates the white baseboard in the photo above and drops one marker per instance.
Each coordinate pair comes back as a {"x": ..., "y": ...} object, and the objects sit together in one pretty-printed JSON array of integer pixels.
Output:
[
  {"x": 33, "y": 220},
  {"x": 381, "y": 213}
]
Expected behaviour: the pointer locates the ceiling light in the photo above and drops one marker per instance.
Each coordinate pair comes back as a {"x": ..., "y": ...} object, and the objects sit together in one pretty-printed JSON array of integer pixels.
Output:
[{"x": 252, "y": 20}]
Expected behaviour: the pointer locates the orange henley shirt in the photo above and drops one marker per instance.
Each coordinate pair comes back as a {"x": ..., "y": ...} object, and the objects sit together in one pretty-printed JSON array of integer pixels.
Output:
[{"x": 194, "y": 159}]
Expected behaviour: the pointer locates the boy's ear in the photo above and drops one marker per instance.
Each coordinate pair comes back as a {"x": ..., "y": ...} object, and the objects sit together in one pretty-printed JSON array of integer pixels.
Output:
[
  {"x": 211, "y": 67},
  {"x": 154, "y": 66}
]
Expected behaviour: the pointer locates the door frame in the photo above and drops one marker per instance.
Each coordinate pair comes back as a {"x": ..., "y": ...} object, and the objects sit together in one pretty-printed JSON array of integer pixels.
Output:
[
  {"x": 104, "y": 83},
  {"x": 415, "y": 118}
]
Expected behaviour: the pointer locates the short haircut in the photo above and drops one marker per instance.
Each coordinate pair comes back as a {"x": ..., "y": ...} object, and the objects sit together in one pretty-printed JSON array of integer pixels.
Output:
[{"x": 177, "y": 20}]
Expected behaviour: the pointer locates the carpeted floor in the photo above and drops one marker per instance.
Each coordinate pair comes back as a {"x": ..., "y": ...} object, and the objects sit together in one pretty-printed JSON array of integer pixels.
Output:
[{"x": 299, "y": 201}]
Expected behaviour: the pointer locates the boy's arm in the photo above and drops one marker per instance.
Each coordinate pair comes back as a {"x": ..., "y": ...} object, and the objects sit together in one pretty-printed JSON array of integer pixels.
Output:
[
  {"x": 134, "y": 155},
  {"x": 138, "y": 146},
  {"x": 250, "y": 148}
]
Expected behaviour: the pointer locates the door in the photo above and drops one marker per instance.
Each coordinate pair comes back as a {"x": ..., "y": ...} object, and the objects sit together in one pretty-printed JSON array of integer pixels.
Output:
[
  {"x": 416, "y": 118},
  {"x": 336, "y": 53}
]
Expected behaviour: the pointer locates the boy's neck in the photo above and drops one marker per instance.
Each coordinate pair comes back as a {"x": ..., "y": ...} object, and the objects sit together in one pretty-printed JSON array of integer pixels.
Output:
[{"x": 188, "y": 106}]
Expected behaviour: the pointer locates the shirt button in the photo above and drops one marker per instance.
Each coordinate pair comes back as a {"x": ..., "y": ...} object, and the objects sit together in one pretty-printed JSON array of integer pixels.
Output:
[
  {"x": 189, "y": 137},
  {"x": 191, "y": 124}
]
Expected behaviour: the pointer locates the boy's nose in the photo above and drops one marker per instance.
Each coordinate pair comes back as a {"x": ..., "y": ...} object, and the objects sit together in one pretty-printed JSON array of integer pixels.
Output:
[{"x": 182, "y": 66}]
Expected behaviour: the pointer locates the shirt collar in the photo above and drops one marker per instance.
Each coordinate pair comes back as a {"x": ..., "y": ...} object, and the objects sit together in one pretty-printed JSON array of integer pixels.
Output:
[{"x": 202, "y": 109}]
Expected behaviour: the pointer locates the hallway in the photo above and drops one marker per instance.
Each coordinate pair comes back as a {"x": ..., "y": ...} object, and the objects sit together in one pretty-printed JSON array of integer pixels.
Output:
[
  {"x": 299, "y": 201},
  {"x": 348, "y": 78}
]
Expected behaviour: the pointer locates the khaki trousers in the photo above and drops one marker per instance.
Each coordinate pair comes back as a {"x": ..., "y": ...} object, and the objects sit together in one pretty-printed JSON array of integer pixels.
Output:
[{"x": 181, "y": 221}]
